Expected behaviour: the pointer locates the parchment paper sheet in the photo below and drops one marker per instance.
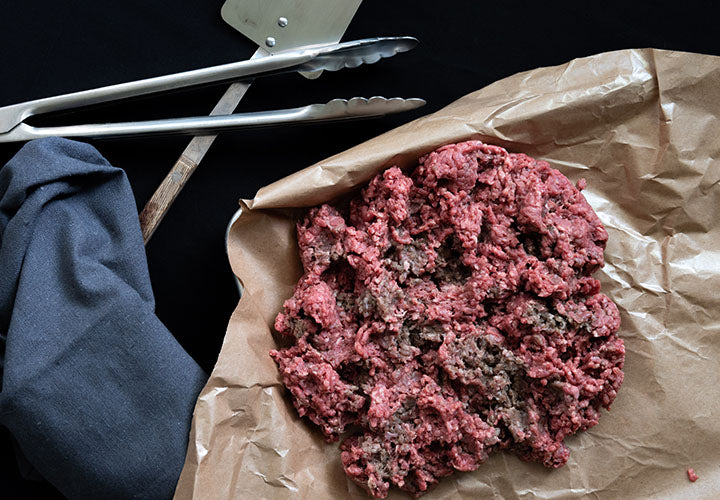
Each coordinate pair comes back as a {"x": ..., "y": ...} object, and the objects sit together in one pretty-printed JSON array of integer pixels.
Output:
[{"x": 643, "y": 127}]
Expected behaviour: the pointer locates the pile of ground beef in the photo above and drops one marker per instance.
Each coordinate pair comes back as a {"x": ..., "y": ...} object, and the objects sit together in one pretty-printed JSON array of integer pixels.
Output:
[{"x": 449, "y": 314}]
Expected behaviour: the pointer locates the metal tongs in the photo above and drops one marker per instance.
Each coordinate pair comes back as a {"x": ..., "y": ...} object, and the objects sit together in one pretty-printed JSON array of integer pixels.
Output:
[{"x": 308, "y": 59}]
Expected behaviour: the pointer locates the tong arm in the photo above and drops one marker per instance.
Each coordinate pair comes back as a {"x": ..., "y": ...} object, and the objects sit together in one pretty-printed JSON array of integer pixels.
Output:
[
  {"x": 12, "y": 116},
  {"x": 337, "y": 109}
]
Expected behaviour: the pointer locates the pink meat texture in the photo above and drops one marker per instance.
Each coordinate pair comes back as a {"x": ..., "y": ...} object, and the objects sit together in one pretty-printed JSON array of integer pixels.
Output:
[{"x": 451, "y": 313}]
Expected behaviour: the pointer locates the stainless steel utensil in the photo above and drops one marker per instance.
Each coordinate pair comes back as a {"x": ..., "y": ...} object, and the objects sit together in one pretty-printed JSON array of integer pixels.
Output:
[
  {"x": 337, "y": 109},
  {"x": 331, "y": 57}
]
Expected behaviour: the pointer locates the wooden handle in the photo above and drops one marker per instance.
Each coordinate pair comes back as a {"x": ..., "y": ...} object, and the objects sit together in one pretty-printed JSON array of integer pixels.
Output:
[{"x": 165, "y": 195}]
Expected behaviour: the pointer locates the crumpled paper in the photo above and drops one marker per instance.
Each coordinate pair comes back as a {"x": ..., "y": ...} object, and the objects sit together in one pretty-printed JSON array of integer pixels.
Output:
[{"x": 643, "y": 127}]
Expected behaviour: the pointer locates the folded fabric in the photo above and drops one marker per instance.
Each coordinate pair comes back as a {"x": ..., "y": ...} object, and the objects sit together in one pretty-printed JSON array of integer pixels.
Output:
[{"x": 96, "y": 391}]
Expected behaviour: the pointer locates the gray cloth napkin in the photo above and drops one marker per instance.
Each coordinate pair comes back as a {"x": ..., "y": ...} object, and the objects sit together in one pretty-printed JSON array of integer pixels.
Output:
[{"x": 96, "y": 391}]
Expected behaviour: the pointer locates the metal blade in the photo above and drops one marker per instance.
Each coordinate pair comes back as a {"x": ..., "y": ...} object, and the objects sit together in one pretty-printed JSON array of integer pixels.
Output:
[{"x": 277, "y": 25}]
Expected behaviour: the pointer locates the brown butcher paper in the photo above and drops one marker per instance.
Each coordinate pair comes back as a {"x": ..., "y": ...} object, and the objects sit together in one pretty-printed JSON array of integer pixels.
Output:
[{"x": 643, "y": 127}]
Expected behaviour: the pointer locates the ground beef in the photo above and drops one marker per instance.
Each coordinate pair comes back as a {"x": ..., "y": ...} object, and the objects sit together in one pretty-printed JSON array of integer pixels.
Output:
[{"x": 451, "y": 313}]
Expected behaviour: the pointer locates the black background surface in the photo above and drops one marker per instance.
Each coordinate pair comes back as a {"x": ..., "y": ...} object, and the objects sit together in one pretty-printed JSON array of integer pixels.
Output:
[{"x": 48, "y": 47}]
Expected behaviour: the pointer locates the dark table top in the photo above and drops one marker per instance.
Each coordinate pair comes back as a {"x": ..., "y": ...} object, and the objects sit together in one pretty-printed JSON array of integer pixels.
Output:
[{"x": 49, "y": 47}]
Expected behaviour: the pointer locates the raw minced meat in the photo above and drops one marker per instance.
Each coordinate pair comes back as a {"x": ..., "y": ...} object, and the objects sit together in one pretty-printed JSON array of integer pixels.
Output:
[{"x": 451, "y": 313}]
